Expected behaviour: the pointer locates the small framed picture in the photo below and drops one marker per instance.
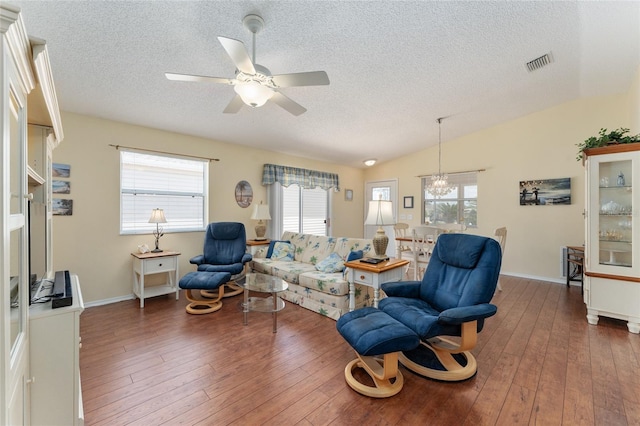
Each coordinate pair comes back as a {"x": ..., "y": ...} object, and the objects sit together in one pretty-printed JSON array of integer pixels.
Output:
[
  {"x": 61, "y": 170},
  {"x": 408, "y": 202},
  {"x": 348, "y": 194}
]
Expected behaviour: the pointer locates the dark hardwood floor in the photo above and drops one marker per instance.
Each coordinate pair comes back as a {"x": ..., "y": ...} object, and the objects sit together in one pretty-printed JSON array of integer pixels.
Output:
[{"x": 539, "y": 362}]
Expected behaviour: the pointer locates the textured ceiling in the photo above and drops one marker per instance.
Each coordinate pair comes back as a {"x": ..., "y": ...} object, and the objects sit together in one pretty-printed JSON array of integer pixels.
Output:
[{"x": 394, "y": 66}]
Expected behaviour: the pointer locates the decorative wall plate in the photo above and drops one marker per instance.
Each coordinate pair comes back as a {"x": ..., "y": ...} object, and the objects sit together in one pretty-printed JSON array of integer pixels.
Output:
[{"x": 244, "y": 194}]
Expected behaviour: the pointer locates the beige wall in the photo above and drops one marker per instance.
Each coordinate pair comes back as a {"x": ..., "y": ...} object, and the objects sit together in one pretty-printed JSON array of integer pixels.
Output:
[
  {"x": 88, "y": 242},
  {"x": 634, "y": 105},
  {"x": 538, "y": 146}
]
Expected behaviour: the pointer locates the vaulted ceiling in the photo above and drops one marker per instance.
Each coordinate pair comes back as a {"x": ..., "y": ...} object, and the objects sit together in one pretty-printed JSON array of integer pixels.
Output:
[{"x": 394, "y": 66}]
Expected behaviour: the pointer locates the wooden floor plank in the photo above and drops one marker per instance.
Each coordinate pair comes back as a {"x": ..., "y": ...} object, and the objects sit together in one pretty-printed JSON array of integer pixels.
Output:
[{"x": 539, "y": 362}]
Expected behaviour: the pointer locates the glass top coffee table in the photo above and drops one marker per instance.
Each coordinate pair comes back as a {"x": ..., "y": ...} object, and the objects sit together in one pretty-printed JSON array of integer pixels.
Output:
[{"x": 263, "y": 283}]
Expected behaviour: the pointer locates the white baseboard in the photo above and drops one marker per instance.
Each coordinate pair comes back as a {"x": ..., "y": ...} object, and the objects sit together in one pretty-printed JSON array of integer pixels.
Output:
[
  {"x": 559, "y": 280},
  {"x": 108, "y": 301},
  {"x": 511, "y": 274}
]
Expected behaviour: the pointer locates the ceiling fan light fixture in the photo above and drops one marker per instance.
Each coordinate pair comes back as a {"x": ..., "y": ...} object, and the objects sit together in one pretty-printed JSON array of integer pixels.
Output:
[{"x": 253, "y": 93}]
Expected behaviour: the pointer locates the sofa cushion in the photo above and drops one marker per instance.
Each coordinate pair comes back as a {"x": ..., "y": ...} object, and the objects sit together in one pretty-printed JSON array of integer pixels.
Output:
[
  {"x": 331, "y": 263},
  {"x": 299, "y": 241},
  {"x": 330, "y": 283},
  {"x": 262, "y": 265},
  {"x": 344, "y": 246},
  {"x": 355, "y": 255},
  {"x": 282, "y": 251},
  {"x": 289, "y": 271},
  {"x": 272, "y": 244},
  {"x": 318, "y": 248}
]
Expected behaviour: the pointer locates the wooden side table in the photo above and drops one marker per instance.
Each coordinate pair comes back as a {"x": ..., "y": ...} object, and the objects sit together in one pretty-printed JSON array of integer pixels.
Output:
[
  {"x": 575, "y": 263},
  {"x": 155, "y": 263},
  {"x": 254, "y": 245},
  {"x": 373, "y": 276}
]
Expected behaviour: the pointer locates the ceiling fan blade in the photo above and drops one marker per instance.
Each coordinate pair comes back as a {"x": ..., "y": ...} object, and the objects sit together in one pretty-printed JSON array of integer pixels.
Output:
[
  {"x": 314, "y": 78},
  {"x": 234, "y": 106},
  {"x": 286, "y": 103},
  {"x": 197, "y": 78},
  {"x": 238, "y": 53}
]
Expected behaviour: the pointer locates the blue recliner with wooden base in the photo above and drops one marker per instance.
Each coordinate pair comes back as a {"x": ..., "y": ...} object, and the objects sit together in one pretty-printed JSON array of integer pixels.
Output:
[
  {"x": 223, "y": 262},
  {"x": 451, "y": 300}
]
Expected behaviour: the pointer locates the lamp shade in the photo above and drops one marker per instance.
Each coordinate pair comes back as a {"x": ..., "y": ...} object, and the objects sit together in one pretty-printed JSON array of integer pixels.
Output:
[
  {"x": 380, "y": 213},
  {"x": 261, "y": 212},
  {"x": 253, "y": 93},
  {"x": 157, "y": 216}
]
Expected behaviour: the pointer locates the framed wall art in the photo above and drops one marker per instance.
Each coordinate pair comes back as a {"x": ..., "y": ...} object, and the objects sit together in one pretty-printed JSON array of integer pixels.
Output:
[
  {"x": 62, "y": 207},
  {"x": 408, "y": 202},
  {"x": 61, "y": 187},
  {"x": 60, "y": 170},
  {"x": 545, "y": 192},
  {"x": 244, "y": 194},
  {"x": 348, "y": 194}
]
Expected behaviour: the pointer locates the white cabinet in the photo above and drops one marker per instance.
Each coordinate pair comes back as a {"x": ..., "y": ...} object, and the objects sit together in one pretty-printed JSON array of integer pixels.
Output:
[
  {"x": 27, "y": 96},
  {"x": 612, "y": 249},
  {"x": 56, "y": 398}
]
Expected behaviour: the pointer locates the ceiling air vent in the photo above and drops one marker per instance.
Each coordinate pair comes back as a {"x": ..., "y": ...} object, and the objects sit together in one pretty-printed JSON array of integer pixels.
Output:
[{"x": 540, "y": 62}]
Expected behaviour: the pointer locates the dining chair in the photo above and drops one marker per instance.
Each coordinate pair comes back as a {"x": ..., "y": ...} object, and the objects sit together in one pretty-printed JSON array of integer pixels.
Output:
[
  {"x": 452, "y": 227},
  {"x": 400, "y": 230},
  {"x": 501, "y": 237},
  {"x": 423, "y": 239}
]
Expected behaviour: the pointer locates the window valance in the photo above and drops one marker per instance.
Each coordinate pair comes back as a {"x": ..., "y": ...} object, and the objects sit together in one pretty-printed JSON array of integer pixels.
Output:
[{"x": 307, "y": 179}]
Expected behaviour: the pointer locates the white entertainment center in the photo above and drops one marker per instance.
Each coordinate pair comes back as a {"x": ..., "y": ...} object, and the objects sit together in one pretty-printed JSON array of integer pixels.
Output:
[{"x": 39, "y": 345}]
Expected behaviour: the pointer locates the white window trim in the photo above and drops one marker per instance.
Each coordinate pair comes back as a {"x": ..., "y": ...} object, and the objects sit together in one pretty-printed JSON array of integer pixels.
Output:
[{"x": 167, "y": 228}]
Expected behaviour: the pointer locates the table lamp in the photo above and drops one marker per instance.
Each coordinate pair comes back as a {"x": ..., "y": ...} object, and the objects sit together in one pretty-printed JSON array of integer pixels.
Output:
[
  {"x": 261, "y": 213},
  {"x": 380, "y": 214},
  {"x": 157, "y": 217}
]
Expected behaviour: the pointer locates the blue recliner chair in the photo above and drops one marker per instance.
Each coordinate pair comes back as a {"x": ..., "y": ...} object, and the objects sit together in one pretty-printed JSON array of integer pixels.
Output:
[
  {"x": 223, "y": 262},
  {"x": 451, "y": 300}
]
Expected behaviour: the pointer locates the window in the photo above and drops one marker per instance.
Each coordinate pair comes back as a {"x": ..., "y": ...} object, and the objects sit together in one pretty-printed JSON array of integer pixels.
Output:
[
  {"x": 459, "y": 206},
  {"x": 305, "y": 210},
  {"x": 299, "y": 199},
  {"x": 176, "y": 185}
]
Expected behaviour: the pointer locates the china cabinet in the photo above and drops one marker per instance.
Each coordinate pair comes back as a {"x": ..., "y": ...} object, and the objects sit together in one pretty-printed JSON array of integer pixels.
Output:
[
  {"x": 612, "y": 244},
  {"x": 28, "y": 97}
]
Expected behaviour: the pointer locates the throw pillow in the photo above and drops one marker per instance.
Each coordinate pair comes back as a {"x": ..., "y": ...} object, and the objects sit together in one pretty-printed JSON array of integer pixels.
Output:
[
  {"x": 355, "y": 255},
  {"x": 283, "y": 251},
  {"x": 271, "y": 244},
  {"x": 330, "y": 264}
]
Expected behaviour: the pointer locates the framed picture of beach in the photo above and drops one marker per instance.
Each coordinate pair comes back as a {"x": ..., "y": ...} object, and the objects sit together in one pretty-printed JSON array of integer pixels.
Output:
[
  {"x": 62, "y": 207},
  {"x": 60, "y": 186},
  {"x": 61, "y": 170},
  {"x": 545, "y": 192}
]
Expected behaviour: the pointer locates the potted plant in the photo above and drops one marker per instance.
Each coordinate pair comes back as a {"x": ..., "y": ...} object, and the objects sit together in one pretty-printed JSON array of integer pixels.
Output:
[{"x": 614, "y": 137}]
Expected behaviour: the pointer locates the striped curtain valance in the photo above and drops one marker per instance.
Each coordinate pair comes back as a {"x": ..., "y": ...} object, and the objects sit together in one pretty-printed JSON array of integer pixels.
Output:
[{"x": 308, "y": 179}]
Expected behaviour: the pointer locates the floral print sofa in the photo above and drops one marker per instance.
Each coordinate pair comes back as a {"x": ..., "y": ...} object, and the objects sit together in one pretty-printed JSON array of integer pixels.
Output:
[{"x": 316, "y": 276}]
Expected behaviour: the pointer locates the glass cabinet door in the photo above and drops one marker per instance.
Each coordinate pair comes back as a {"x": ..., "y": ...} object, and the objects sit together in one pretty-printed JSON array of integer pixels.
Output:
[
  {"x": 615, "y": 215},
  {"x": 612, "y": 216}
]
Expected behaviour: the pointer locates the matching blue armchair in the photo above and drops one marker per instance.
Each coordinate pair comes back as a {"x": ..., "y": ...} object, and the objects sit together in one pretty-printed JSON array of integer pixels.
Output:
[
  {"x": 223, "y": 262},
  {"x": 451, "y": 300}
]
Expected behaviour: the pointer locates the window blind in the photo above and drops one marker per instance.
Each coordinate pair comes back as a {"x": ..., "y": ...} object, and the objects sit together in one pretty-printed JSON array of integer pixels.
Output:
[{"x": 176, "y": 185}]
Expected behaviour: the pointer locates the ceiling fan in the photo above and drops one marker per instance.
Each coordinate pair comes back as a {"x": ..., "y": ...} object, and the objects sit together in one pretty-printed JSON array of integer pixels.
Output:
[{"x": 254, "y": 85}]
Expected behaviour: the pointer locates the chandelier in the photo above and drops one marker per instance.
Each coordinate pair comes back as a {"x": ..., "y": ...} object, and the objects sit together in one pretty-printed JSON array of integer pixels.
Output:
[{"x": 439, "y": 185}]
